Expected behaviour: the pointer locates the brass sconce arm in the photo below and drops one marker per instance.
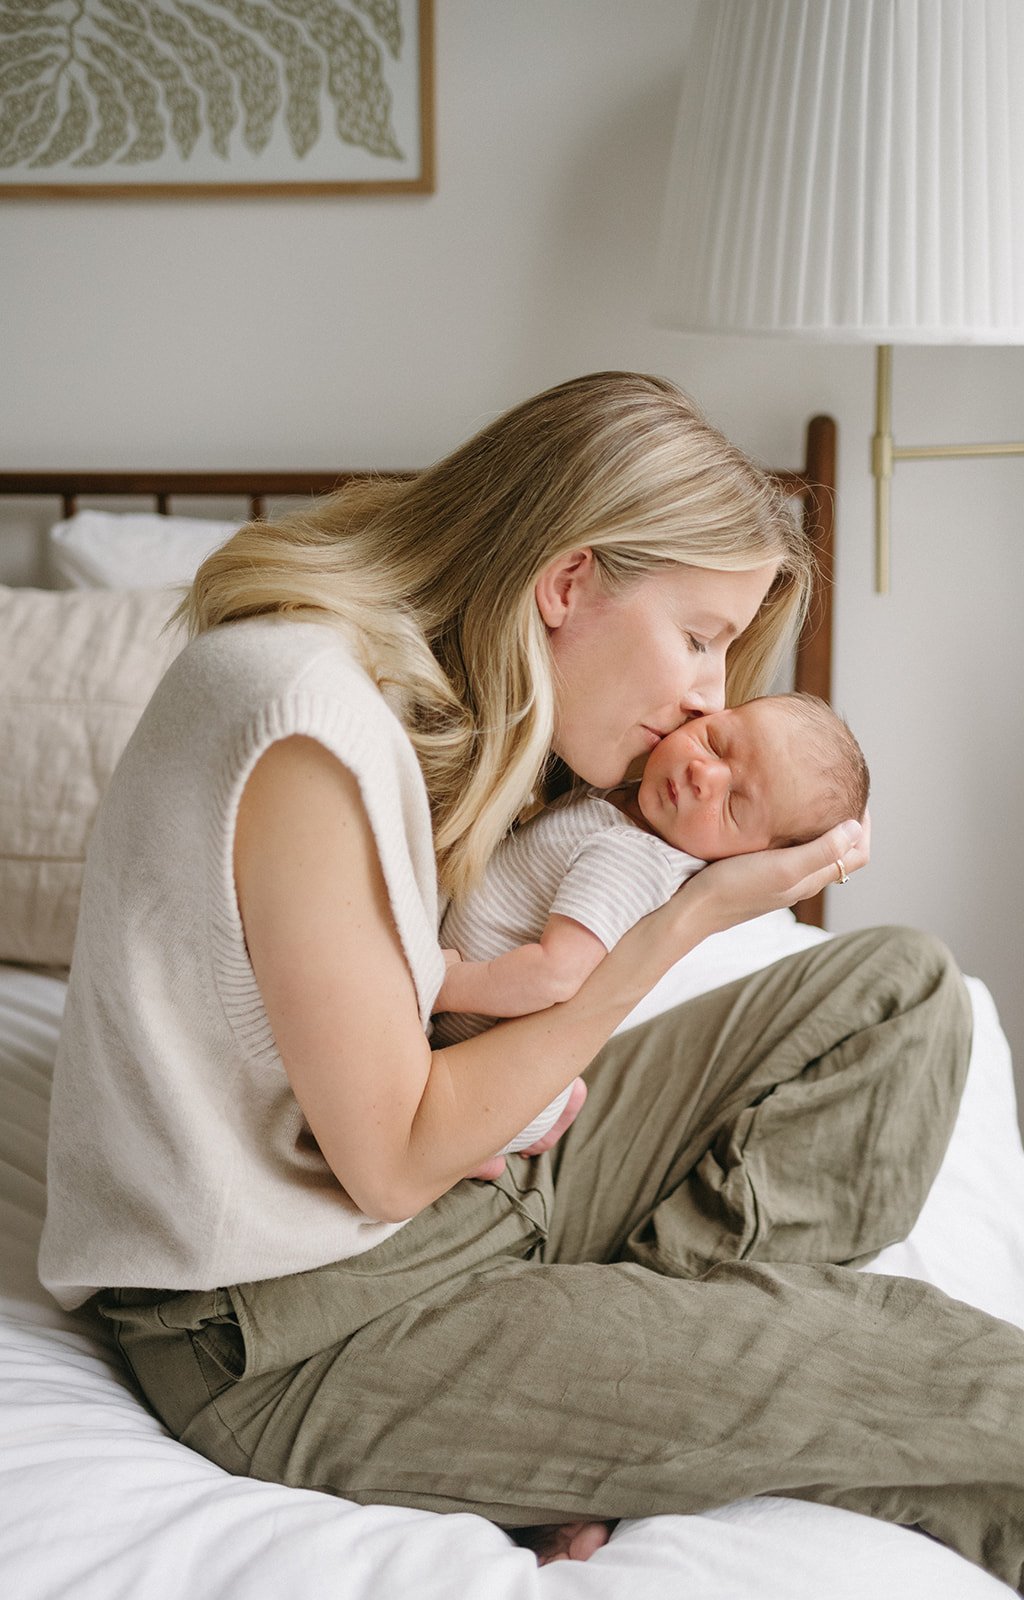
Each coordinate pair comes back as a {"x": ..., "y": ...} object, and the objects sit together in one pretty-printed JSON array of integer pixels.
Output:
[{"x": 885, "y": 453}]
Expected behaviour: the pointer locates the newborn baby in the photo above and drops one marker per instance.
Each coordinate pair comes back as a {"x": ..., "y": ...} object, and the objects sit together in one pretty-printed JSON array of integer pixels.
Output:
[{"x": 563, "y": 888}]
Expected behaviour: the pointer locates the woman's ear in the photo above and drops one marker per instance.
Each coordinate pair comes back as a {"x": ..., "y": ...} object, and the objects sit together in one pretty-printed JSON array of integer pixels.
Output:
[{"x": 561, "y": 585}]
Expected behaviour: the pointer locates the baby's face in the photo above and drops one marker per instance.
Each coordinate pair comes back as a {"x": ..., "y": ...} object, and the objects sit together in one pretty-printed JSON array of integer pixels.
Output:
[{"x": 728, "y": 783}]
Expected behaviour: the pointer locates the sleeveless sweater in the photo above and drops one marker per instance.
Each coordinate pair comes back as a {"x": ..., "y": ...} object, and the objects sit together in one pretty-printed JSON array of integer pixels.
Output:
[{"x": 179, "y": 1157}]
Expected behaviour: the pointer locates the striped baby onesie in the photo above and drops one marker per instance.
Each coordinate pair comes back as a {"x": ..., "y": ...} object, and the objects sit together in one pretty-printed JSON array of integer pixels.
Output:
[{"x": 582, "y": 859}]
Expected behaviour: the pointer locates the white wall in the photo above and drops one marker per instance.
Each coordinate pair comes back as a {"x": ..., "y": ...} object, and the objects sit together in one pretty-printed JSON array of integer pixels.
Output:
[{"x": 381, "y": 331}]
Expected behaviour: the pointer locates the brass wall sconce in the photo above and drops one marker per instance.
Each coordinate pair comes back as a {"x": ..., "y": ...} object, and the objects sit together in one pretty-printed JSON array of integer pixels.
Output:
[
  {"x": 851, "y": 173},
  {"x": 885, "y": 453}
]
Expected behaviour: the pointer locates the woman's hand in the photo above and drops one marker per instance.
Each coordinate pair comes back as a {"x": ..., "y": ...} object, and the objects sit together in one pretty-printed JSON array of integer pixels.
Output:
[{"x": 734, "y": 890}]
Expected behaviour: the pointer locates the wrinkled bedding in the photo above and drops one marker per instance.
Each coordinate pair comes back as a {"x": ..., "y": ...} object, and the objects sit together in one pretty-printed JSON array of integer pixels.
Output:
[{"x": 98, "y": 1501}]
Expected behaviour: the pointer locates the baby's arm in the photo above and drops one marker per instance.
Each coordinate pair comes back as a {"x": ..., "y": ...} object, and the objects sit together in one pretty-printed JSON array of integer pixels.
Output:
[{"x": 527, "y": 979}]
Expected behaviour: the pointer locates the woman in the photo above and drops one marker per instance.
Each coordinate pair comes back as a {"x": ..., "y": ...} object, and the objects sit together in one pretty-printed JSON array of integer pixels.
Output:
[{"x": 646, "y": 1317}]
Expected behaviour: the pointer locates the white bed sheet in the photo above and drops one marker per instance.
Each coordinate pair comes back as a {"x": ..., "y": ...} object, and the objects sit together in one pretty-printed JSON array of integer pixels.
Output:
[{"x": 99, "y": 1503}]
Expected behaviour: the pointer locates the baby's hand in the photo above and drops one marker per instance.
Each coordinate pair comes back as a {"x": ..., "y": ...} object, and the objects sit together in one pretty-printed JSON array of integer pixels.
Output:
[{"x": 573, "y": 1106}]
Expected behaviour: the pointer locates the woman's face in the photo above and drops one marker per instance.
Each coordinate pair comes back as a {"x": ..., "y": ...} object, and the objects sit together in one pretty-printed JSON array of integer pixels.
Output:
[{"x": 632, "y": 667}]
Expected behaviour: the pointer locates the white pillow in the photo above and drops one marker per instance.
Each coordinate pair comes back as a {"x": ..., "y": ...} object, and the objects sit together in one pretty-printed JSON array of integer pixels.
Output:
[
  {"x": 131, "y": 550},
  {"x": 76, "y": 670}
]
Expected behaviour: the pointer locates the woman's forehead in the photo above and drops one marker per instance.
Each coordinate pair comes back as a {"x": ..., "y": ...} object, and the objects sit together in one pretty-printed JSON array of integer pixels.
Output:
[{"x": 725, "y": 598}]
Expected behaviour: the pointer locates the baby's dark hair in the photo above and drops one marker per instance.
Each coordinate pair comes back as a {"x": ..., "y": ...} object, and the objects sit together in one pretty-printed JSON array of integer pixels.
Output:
[{"x": 844, "y": 772}]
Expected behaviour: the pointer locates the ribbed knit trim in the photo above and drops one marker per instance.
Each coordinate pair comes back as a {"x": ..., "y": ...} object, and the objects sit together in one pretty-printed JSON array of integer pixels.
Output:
[{"x": 368, "y": 749}]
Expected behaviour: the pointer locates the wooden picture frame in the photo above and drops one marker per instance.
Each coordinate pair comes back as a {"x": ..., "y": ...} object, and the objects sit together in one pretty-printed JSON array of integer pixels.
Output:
[{"x": 197, "y": 98}]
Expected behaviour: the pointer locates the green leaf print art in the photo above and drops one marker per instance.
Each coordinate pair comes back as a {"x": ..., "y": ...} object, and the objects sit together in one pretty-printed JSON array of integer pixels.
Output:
[{"x": 225, "y": 96}]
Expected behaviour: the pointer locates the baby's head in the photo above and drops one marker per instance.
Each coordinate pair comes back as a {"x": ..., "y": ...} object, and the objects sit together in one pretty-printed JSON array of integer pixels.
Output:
[{"x": 776, "y": 771}]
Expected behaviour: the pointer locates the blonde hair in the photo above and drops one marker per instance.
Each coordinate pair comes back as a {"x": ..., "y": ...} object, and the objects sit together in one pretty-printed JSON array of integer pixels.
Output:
[{"x": 433, "y": 578}]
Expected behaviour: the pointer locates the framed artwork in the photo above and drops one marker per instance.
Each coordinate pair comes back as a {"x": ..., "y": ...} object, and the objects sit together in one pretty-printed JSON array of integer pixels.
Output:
[{"x": 215, "y": 97}]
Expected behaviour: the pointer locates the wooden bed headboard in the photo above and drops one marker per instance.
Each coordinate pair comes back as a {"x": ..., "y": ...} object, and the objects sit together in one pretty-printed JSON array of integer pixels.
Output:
[{"x": 813, "y": 485}]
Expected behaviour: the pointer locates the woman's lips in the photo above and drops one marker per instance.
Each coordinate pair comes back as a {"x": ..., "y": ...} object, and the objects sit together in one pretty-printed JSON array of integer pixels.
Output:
[{"x": 652, "y": 735}]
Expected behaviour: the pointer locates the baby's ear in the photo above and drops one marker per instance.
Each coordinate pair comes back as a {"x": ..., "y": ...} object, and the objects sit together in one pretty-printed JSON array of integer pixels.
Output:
[{"x": 562, "y": 583}]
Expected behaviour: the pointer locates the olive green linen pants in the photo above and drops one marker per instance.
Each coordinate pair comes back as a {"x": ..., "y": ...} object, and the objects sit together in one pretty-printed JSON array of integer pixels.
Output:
[{"x": 660, "y": 1314}]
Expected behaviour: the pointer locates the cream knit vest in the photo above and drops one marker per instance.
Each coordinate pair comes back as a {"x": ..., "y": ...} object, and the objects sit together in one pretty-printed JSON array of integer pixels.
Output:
[{"x": 179, "y": 1158}]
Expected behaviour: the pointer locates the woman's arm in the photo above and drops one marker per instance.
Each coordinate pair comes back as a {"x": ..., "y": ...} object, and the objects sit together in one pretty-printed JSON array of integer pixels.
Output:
[
  {"x": 530, "y": 978},
  {"x": 397, "y": 1124}
]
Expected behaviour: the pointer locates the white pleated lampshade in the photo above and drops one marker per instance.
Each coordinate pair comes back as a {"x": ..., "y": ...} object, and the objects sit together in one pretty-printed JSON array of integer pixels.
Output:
[{"x": 849, "y": 170}]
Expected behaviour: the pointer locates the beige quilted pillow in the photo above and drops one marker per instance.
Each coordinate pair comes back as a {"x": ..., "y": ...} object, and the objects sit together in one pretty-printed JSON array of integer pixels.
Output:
[{"x": 76, "y": 669}]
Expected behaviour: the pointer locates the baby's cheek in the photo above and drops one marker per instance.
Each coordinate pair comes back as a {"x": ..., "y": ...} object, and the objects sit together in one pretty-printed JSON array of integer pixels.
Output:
[
  {"x": 717, "y": 839},
  {"x": 703, "y": 835}
]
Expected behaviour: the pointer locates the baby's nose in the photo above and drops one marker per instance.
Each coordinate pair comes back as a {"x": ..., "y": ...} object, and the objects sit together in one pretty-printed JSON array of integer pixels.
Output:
[{"x": 708, "y": 774}]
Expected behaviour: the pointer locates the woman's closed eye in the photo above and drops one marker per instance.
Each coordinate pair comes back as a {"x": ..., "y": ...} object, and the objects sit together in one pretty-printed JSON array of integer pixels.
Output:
[{"x": 697, "y": 645}]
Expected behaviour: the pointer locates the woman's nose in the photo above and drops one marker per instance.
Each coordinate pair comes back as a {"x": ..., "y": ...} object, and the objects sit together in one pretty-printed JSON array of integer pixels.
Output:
[
  {"x": 707, "y": 691},
  {"x": 701, "y": 702},
  {"x": 708, "y": 695}
]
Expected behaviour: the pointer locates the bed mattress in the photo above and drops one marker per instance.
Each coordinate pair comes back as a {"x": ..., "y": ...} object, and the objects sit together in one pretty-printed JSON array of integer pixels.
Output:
[{"x": 98, "y": 1501}]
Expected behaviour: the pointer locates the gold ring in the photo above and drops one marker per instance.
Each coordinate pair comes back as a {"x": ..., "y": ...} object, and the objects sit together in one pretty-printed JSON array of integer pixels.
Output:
[{"x": 844, "y": 876}]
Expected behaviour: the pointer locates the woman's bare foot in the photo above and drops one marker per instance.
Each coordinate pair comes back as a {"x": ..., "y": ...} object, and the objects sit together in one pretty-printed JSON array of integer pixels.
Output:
[{"x": 568, "y": 1541}]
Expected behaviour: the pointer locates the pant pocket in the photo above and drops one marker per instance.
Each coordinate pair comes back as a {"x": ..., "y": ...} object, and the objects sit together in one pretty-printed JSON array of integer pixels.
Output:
[
  {"x": 220, "y": 1342},
  {"x": 182, "y": 1348}
]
